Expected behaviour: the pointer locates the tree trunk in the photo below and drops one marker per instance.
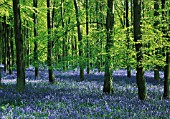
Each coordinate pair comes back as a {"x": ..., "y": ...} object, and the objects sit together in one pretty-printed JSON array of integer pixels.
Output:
[
  {"x": 108, "y": 86},
  {"x": 87, "y": 34},
  {"x": 79, "y": 30},
  {"x": 132, "y": 17},
  {"x": 35, "y": 41},
  {"x": 9, "y": 51},
  {"x": 1, "y": 42},
  {"x": 28, "y": 46},
  {"x": 167, "y": 77},
  {"x": 64, "y": 36},
  {"x": 166, "y": 93},
  {"x": 19, "y": 47},
  {"x": 49, "y": 55},
  {"x": 5, "y": 45},
  {"x": 127, "y": 37},
  {"x": 141, "y": 83},
  {"x": 99, "y": 20},
  {"x": 156, "y": 23},
  {"x": 12, "y": 48},
  {"x": 8, "y": 47}
]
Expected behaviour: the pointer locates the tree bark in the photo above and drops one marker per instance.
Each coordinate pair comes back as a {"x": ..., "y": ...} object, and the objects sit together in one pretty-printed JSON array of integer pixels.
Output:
[
  {"x": 5, "y": 45},
  {"x": 108, "y": 86},
  {"x": 1, "y": 42},
  {"x": 19, "y": 47},
  {"x": 127, "y": 37},
  {"x": 12, "y": 48},
  {"x": 9, "y": 50},
  {"x": 35, "y": 41},
  {"x": 49, "y": 55},
  {"x": 87, "y": 34},
  {"x": 166, "y": 93},
  {"x": 64, "y": 36},
  {"x": 79, "y": 30},
  {"x": 167, "y": 77},
  {"x": 156, "y": 23},
  {"x": 141, "y": 83}
]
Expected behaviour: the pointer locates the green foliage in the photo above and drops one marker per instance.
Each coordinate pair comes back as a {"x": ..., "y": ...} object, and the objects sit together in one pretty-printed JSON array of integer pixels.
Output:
[{"x": 152, "y": 38}]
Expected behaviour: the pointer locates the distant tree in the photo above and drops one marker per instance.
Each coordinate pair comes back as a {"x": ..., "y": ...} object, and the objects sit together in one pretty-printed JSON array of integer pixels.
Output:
[
  {"x": 25, "y": 34},
  {"x": 127, "y": 35},
  {"x": 35, "y": 41},
  {"x": 5, "y": 43},
  {"x": 87, "y": 34},
  {"x": 12, "y": 47},
  {"x": 141, "y": 83},
  {"x": 156, "y": 23},
  {"x": 49, "y": 54},
  {"x": 108, "y": 78},
  {"x": 64, "y": 36},
  {"x": 100, "y": 20},
  {"x": 1, "y": 42},
  {"x": 79, "y": 30},
  {"x": 11, "y": 51},
  {"x": 8, "y": 48},
  {"x": 19, "y": 47},
  {"x": 167, "y": 77}
]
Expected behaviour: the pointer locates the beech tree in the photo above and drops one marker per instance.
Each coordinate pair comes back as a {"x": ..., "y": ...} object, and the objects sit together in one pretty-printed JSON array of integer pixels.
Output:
[
  {"x": 104, "y": 46},
  {"x": 141, "y": 83},
  {"x": 156, "y": 23},
  {"x": 49, "y": 54},
  {"x": 79, "y": 32},
  {"x": 87, "y": 34},
  {"x": 35, "y": 40},
  {"x": 108, "y": 79},
  {"x": 19, "y": 47},
  {"x": 166, "y": 93},
  {"x": 127, "y": 36}
]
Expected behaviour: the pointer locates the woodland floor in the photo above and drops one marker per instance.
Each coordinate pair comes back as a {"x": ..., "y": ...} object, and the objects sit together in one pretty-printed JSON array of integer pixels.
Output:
[{"x": 69, "y": 98}]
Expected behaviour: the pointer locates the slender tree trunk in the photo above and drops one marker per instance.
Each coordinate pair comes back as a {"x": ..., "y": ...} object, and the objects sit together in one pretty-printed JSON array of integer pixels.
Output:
[
  {"x": 5, "y": 45},
  {"x": 12, "y": 48},
  {"x": 132, "y": 14},
  {"x": 101, "y": 42},
  {"x": 35, "y": 41},
  {"x": 108, "y": 86},
  {"x": 79, "y": 30},
  {"x": 141, "y": 83},
  {"x": 127, "y": 37},
  {"x": 1, "y": 42},
  {"x": 99, "y": 21},
  {"x": 9, "y": 53},
  {"x": 28, "y": 46},
  {"x": 8, "y": 47},
  {"x": 156, "y": 23},
  {"x": 64, "y": 36},
  {"x": 1, "y": 50},
  {"x": 87, "y": 34},
  {"x": 49, "y": 55},
  {"x": 19, "y": 47},
  {"x": 67, "y": 42},
  {"x": 166, "y": 93}
]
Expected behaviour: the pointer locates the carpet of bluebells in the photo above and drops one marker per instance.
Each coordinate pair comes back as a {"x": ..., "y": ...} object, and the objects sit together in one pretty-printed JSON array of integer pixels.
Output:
[{"x": 71, "y": 98}]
